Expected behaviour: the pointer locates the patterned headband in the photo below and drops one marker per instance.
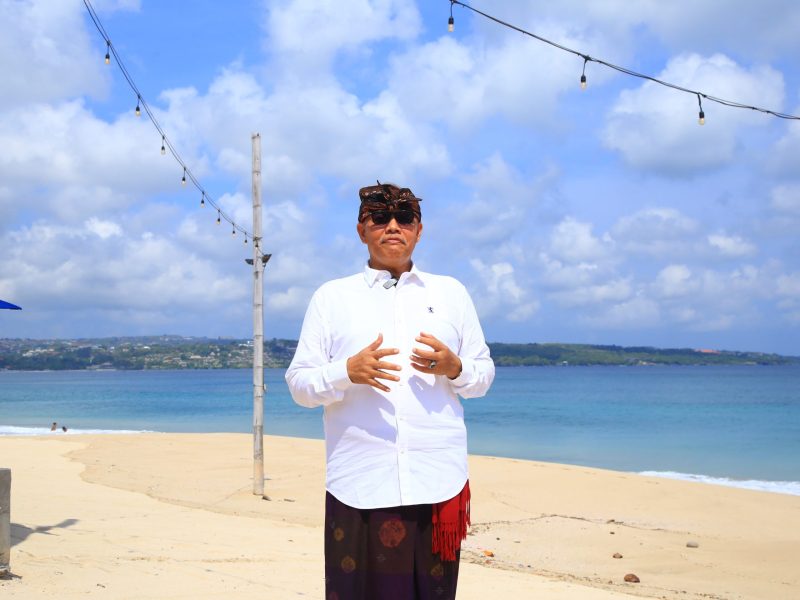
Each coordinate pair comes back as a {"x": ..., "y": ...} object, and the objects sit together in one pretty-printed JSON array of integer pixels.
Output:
[{"x": 376, "y": 197}]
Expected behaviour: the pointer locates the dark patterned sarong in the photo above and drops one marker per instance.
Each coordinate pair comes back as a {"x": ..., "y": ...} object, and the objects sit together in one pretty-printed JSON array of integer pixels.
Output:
[{"x": 384, "y": 554}]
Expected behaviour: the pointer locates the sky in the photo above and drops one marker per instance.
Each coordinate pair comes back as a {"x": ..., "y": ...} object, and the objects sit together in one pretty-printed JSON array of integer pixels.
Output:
[{"x": 603, "y": 216}]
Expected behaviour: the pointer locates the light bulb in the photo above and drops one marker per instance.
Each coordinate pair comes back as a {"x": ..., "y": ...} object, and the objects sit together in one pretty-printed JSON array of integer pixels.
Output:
[
  {"x": 183, "y": 179},
  {"x": 218, "y": 221},
  {"x": 450, "y": 25},
  {"x": 583, "y": 82},
  {"x": 203, "y": 199},
  {"x": 233, "y": 231},
  {"x": 163, "y": 148},
  {"x": 702, "y": 118},
  {"x": 138, "y": 111},
  {"x": 108, "y": 50},
  {"x": 245, "y": 239}
]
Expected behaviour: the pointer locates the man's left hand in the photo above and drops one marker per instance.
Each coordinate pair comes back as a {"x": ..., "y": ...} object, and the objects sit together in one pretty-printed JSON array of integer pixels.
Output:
[{"x": 444, "y": 360}]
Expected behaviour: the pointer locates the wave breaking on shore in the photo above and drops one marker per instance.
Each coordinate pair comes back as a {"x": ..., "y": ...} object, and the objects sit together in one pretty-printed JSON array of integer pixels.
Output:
[{"x": 778, "y": 487}]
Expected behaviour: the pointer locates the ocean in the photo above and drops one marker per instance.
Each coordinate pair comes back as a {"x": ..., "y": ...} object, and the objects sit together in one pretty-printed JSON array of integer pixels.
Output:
[{"x": 730, "y": 425}]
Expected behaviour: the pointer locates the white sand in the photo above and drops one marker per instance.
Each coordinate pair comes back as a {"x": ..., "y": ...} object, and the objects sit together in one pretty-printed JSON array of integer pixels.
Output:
[{"x": 173, "y": 516}]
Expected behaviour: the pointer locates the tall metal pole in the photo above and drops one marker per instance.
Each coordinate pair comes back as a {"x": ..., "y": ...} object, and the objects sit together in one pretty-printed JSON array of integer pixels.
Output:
[{"x": 258, "y": 326}]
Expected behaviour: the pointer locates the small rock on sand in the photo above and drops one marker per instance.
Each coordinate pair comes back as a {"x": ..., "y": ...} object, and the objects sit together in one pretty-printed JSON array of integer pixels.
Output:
[
  {"x": 631, "y": 578},
  {"x": 692, "y": 544},
  {"x": 617, "y": 555}
]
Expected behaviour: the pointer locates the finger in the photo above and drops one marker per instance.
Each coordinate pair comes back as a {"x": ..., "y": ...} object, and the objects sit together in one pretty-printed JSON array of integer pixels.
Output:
[
  {"x": 421, "y": 360},
  {"x": 387, "y": 376},
  {"x": 377, "y": 343},
  {"x": 423, "y": 354},
  {"x": 385, "y": 352},
  {"x": 376, "y": 384},
  {"x": 429, "y": 340},
  {"x": 387, "y": 365},
  {"x": 423, "y": 368}
]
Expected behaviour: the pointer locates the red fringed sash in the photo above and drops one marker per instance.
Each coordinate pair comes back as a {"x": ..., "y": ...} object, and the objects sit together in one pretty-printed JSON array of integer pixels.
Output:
[{"x": 450, "y": 523}]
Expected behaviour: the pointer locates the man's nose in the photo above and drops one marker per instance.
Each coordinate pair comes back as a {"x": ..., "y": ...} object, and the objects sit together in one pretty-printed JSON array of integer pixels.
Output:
[{"x": 393, "y": 225}]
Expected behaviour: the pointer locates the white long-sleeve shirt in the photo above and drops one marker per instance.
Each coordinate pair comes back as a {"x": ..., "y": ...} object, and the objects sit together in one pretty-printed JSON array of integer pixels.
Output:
[{"x": 408, "y": 445}]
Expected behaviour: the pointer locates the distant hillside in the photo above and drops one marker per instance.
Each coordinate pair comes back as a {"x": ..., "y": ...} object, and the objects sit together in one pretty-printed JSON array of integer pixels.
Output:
[
  {"x": 180, "y": 352},
  {"x": 585, "y": 354}
]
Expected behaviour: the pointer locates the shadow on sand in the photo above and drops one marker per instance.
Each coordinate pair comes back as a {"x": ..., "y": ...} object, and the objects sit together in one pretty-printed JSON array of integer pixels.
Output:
[{"x": 20, "y": 533}]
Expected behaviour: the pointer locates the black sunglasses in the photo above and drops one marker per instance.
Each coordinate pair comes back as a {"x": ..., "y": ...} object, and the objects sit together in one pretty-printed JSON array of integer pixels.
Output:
[{"x": 402, "y": 216}]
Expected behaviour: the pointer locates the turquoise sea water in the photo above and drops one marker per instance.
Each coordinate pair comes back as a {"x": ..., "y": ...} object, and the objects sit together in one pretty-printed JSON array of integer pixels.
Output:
[{"x": 719, "y": 424}]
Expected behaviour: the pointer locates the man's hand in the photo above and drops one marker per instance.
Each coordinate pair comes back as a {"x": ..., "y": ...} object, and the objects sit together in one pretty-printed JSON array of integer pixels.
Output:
[
  {"x": 444, "y": 360},
  {"x": 367, "y": 366}
]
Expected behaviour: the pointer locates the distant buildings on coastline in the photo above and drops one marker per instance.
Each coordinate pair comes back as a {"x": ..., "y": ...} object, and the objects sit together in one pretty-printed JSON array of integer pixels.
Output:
[{"x": 180, "y": 352}]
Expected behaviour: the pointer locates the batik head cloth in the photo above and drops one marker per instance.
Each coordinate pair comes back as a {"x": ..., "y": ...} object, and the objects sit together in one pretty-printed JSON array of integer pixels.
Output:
[{"x": 387, "y": 196}]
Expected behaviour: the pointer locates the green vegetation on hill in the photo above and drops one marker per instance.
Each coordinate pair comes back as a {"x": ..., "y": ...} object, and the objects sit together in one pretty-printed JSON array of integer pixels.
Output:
[
  {"x": 178, "y": 352},
  {"x": 585, "y": 354},
  {"x": 135, "y": 353}
]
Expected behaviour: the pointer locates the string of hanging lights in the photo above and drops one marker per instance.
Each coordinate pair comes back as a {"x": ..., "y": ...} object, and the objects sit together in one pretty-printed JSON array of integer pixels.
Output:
[
  {"x": 166, "y": 144},
  {"x": 587, "y": 59}
]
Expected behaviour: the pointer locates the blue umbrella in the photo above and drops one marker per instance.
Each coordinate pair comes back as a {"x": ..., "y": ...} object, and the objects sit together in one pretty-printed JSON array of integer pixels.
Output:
[{"x": 4, "y": 304}]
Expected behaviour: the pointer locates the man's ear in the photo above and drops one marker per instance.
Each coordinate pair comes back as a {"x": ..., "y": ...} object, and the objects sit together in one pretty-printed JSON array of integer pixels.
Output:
[
  {"x": 360, "y": 230},
  {"x": 419, "y": 231}
]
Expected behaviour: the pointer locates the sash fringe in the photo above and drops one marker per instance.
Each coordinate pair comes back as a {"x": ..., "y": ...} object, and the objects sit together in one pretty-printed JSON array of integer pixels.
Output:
[{"x": 450, "y": 523}]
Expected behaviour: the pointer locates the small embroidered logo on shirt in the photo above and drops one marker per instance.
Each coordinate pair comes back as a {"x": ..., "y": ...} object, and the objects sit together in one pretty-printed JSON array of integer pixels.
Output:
[{"x": 430, "y": 309}]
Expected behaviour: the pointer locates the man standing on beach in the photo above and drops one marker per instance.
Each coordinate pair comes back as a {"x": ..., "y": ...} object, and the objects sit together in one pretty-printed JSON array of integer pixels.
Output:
[{"x": 386, "y": 351}]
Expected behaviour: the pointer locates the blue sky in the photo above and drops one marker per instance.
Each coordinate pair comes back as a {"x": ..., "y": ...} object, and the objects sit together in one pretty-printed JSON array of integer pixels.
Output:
[{"x": 602, "y": 216}]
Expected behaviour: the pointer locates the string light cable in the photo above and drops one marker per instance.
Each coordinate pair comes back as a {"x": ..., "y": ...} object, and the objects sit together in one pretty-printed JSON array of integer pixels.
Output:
[
  {"x": 166, "y": 145},
  {"x": 587, "y": 59}
]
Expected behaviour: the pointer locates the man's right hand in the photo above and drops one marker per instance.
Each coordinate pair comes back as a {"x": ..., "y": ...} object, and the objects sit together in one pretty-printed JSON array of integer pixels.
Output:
[{"x": 367, "y": 366}]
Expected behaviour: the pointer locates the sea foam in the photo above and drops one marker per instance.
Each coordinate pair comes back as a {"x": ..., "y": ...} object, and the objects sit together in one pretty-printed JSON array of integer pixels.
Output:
[
  {"x": 14, "y": 430},
  {"x": 778, "y": 487}
]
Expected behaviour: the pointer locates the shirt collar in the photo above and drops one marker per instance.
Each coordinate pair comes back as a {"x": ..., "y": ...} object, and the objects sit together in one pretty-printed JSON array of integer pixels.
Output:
[{"x": 373, "y": 276}]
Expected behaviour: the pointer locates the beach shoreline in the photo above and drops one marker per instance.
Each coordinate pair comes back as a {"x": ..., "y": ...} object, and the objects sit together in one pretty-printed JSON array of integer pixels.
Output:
[{"x": 175, "y": 513}]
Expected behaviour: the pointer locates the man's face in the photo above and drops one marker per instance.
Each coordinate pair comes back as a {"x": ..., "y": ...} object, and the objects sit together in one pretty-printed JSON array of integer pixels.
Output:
[{"x": 391, "y": 245}]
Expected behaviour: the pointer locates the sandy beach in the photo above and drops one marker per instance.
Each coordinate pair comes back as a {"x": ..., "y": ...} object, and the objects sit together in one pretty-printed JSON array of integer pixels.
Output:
[{"x": 173, "y": 516}]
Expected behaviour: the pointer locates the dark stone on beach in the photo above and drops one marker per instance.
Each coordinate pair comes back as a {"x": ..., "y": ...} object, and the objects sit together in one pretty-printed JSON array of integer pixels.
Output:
[
  {"x": 631, "y": 578},
  {"x": 692, "y": 544},
  {"x": 611, "y": 521},
  {"x": 617, "y": 555},
  {"x": 265, "y": 497},
  {"x": 612, "y": 532}
]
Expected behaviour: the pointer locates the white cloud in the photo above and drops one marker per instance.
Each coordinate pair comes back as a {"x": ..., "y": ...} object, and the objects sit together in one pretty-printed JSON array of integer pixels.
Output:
[
  {"x": 572, "y": 241},
  {"x": 674, "y": 281},
  {"x": 86, "y": 162},
  {"x": 464, "y": 82},
  {"x": 312, "y": 32},
  {"x": 731, "y": 246},
  {"x": 663, "y": 232},
  {"x": 103, "y": 229},
  {"x": 786, "y": 199},
  {"x": 500, "y": 201},
  {"x": 639, "y": 311},
  {"x": 46, "y": 53},
  {"x": 500, "y": 293},
  {"x": 764, "y": 29},
  {"x": 595, "y": 294},
  {"x": 786, "y": 153},
  {"x": 789, "y": 285},
  {"x": 656, "y": 128}
]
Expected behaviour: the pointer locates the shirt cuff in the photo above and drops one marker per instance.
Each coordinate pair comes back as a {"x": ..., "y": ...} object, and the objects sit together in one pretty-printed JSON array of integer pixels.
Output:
[
  {"x": 467, "y": 366},
  {"x": 336, "y": 375}
]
